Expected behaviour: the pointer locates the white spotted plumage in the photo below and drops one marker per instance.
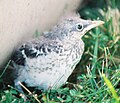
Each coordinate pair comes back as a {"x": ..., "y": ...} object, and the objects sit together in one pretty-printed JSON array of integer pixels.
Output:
[{"x": 47, "y": 62}]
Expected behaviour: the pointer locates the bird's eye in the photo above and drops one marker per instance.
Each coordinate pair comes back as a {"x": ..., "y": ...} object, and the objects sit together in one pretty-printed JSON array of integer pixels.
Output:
[{"x": 79, "y": 27}]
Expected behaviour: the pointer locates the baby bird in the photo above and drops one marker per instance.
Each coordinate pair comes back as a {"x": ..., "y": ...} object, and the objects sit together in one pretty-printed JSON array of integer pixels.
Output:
[{"x": 47, "y": 62}]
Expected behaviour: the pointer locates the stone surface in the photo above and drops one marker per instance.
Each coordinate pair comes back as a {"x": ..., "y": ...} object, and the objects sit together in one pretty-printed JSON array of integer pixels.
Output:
[{"x": 19, "y": 19}]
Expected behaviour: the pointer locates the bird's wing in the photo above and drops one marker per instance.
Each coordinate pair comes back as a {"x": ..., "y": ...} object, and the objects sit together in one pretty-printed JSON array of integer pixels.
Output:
[{"x": 36, "y": 49}]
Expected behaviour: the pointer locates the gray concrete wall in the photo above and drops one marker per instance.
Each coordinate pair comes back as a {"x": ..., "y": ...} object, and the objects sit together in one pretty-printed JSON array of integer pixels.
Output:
[{"x": 19, "y": 19}]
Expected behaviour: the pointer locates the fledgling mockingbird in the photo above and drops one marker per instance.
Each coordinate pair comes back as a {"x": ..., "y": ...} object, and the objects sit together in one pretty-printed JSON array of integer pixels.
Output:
[{"x": 48, "y": 61}]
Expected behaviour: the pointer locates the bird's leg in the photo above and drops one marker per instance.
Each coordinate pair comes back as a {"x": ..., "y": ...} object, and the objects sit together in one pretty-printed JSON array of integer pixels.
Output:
[
  {"x": 20, "y": 90},
  {"x": 18, "y": 86},
  {"x": 23, "y": 96}
]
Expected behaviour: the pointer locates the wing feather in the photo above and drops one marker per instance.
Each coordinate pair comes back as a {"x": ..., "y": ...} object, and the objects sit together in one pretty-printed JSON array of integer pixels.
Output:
[{"x": 34, "y": 50}]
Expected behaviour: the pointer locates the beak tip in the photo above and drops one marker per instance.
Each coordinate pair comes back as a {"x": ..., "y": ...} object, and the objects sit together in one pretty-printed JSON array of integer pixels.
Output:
[
  {"x": 99, "y": 22},
  {"x": 102, "y": 22},
  {"x": 93, "y": 24}
]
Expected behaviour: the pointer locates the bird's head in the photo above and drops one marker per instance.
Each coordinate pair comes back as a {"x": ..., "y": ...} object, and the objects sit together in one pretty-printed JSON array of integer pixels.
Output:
[{"x": 75, "y": 27}]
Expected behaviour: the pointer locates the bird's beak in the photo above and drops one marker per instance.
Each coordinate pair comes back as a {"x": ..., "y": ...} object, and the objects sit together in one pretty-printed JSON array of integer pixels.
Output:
[{"x": 93, "y": 24}]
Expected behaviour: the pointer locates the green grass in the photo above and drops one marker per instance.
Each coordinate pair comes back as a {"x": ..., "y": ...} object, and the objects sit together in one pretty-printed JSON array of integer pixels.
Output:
[{"x": 98, "y": 73}]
